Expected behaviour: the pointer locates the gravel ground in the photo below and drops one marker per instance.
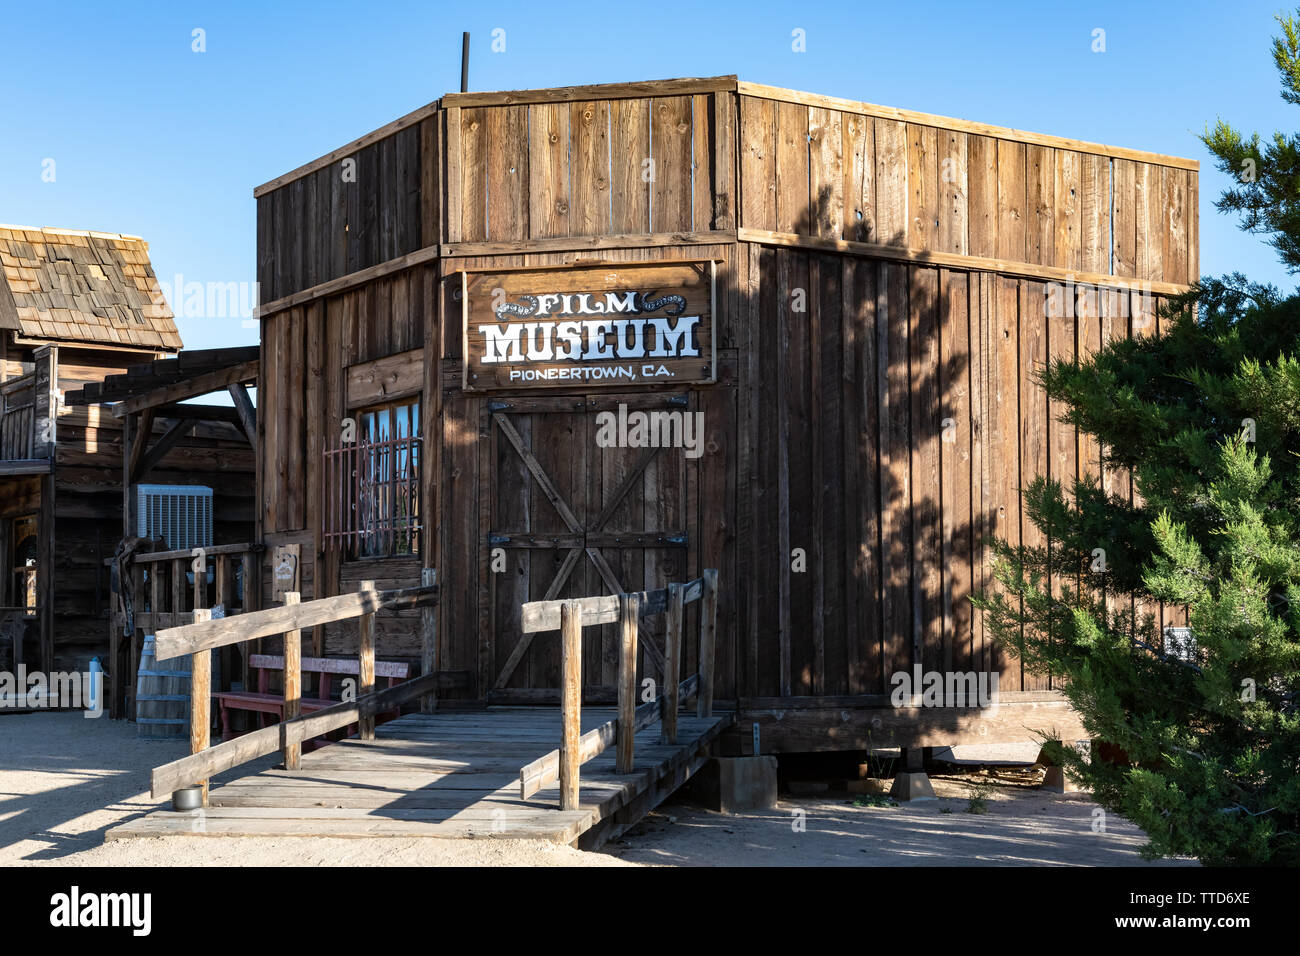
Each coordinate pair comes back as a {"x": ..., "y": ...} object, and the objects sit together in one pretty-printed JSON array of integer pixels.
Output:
[{"x": 64, "y": 780}]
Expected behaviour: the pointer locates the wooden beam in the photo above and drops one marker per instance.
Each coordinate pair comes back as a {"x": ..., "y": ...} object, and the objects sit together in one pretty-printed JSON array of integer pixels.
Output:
[
  {"x": 148, "y": 557},
  {"x": 571, "y": 702},
  {"x": 952, "y": 260},
  {"x": 26, "y": 466},
  {"x": 189, "y": 388},
  {"x": 45, "y": 411},
  {"x": 349, "y": 281},
  {"x": 141, "y": 432},
  {"x": 192, "y": 360},
  {"x": 158, "y": 451},
  {"x": 544, "y": 615},
  {"x": 244, "y": 410},
  {"x": 599, "y": 91},
  {"x": 428, "y": 639},
  {"x": 292, "y": 682},
  {"x": 201, "y": 698},
  {"x": 545, "y": 770},
  {"x": 629, "y": 621},
  {"x": 708, "y": 637},
  {"x": 581, "y": 244},
  {"x": 201, "y": 413},
  {"x": 811, "y": 730},
  {"x": 366, "y": 665},
  {"x": 606, "y": 609},
  {"x": 374, "y": 136},
  {"x": 267, "y": 740},
  {"x": 672, "y": 661},
  {"x": 175, "y": 641}
]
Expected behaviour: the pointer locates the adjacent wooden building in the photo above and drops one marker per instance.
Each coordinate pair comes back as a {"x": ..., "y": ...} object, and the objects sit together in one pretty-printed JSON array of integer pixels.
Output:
[
  {"x": 78, "y": 308},
  {"x": 881, "y": 285}
]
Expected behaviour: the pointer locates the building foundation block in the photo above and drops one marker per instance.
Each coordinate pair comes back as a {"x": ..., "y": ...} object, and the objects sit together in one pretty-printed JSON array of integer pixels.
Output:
[
  {"x": 736, "y": 784},
  {"x": 912, "y": 785}
]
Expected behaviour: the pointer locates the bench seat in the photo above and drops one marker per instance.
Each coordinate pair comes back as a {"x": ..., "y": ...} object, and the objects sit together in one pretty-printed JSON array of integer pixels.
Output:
[{"x": 262, "y": 701}]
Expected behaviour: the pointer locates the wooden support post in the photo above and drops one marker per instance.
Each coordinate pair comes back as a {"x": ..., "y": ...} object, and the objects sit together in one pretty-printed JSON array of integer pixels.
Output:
[
  {"x": 428, "y": 639},
  {"x": 366, "y": 671},
  {"x": 672, "y": 661},
  {"x": 199, "y": 568},
  {"x": 45, "y": 392},
  {"x": 222, "y": 582},
  {"x": 201, "y": 698},
  {"x": 155, "y": 595},
  {"x": 112, "y": 669},
  {"x": 252, "y": 600},
  {"x": 629, "y": 611},
  {"x": 570, "y": 701},
  {"x": 221, "y": 599},
  {"x": 708, "y": 635},
  {"x": 292, "y": 684},
  {"x": 178, "y": 589}
]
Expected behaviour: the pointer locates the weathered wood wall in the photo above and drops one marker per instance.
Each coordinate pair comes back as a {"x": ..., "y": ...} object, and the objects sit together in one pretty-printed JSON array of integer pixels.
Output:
[
  {"x": 883, "y": 281},
  {"x": 87, "y": 507},
  {"x": 833, "y": 169},
  {"x": 337, "y": 220},
  {"x": 80, "y": 502}
]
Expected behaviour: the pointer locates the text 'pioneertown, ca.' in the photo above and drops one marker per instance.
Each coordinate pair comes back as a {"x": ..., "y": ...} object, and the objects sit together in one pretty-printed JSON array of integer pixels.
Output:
[{"x": 640, "y": 324}]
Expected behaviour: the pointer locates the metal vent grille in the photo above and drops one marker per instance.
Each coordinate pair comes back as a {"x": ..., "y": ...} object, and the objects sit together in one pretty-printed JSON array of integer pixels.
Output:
[
  {"x": 179, "y": 514},
  {"x": 1181, "y": 644}
]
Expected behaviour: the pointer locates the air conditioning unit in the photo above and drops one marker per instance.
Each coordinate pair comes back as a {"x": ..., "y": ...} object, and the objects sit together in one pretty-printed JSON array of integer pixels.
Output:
[
  {"x": 179, "y": 514},
  {"x": 1180, "y": 643}
]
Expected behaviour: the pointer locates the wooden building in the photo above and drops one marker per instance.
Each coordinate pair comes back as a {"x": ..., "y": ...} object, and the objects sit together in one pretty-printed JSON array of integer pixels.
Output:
[
  {"x": 78, "y": 309},
  {"x": 870, "y": 290}
]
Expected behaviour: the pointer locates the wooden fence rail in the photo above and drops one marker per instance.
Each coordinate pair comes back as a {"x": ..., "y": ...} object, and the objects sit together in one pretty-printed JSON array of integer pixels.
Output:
[
  {"x": 199, "y": 638},
  {"x": 162, "y": 590},
  {"x": 570, "y": 616}
]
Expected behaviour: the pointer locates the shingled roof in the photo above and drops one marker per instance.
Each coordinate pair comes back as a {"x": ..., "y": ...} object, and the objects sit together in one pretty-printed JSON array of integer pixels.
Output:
[{"x": 70, "y": 286}]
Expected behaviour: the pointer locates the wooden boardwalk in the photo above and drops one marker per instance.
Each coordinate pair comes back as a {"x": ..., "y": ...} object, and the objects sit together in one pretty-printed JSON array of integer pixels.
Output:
[{"x": 452, "y": 774}]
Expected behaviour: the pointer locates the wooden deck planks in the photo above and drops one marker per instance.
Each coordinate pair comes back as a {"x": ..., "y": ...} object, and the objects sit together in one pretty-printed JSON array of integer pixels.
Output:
[{"x": 452, "y": 775}]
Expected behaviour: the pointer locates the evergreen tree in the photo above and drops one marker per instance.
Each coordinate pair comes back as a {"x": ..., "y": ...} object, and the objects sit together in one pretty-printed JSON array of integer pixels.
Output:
[{"x": 1206, "y": 419}]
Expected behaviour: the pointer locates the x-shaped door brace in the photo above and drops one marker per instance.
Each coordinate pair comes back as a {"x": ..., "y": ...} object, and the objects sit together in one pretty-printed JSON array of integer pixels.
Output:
[{"x": 571, "y": 521}]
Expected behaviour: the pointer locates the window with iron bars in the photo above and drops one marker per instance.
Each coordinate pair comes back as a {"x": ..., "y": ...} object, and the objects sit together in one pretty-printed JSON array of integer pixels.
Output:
[{"x": 371, "y": 506}]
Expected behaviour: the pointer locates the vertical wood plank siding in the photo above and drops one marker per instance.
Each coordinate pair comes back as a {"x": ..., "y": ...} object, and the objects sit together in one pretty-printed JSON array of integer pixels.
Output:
[{"x": 873, "y": 423}]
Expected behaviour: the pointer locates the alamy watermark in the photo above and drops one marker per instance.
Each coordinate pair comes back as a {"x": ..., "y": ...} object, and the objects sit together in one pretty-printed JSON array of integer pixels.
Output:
[
  {"x": 209, "y": 300},
  {"x": 57, "y": 690},
  {"x": 919, "y": 688},
  {"x": 656, "y": 429},
  {"x": 1119, "y": 299}
]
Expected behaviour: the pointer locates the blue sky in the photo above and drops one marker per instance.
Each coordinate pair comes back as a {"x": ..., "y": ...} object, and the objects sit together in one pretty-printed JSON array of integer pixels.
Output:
[{"x": 153, "y": 139}]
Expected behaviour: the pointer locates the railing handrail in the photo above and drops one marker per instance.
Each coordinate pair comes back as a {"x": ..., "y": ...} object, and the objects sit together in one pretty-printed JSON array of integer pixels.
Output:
[
  {"x": 205, "y": 635},
  {"x": 290, "y": 619},
  {"x": 150, "y": 557},
  {"x": 625, "y": 609},
  {"x": 604, "y": 609}
]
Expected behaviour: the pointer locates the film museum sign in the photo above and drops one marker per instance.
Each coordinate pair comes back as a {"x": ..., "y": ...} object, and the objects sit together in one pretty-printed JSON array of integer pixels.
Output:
[{"x": 622, "y": 325}]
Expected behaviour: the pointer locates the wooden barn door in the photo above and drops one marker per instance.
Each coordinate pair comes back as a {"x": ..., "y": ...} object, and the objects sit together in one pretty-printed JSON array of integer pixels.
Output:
[{"x": 569, "y": 518}]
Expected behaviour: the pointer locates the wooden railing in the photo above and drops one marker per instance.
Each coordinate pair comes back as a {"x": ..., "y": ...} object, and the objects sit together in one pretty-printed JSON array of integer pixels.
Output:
[
  {"x": 17, "y": 417},
  {"x": 164, "y": 588},
  {"x": 199, "y": 638},
  {"x": 570, "y": 617},
  {"x": 167, "y": 585}
]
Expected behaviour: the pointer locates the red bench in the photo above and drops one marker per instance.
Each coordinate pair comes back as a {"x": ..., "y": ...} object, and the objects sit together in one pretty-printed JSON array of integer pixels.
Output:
[{"x": 262, "y": 702}]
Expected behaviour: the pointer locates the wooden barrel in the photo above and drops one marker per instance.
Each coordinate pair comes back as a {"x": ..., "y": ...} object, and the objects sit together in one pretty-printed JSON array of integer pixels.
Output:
[{"x": 162, "y": 695}]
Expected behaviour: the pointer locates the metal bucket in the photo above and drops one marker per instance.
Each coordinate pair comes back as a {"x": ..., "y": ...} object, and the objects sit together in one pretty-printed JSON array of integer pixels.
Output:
[{"x": 187, "y": 798}]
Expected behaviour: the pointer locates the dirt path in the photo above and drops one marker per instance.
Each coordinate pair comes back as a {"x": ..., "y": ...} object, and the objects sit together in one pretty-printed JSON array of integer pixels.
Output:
[{"x": 64, "y": 780}]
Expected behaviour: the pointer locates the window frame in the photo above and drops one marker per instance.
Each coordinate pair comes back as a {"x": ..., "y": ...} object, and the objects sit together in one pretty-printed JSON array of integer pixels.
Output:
[{"x": 393, "y": 535}]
